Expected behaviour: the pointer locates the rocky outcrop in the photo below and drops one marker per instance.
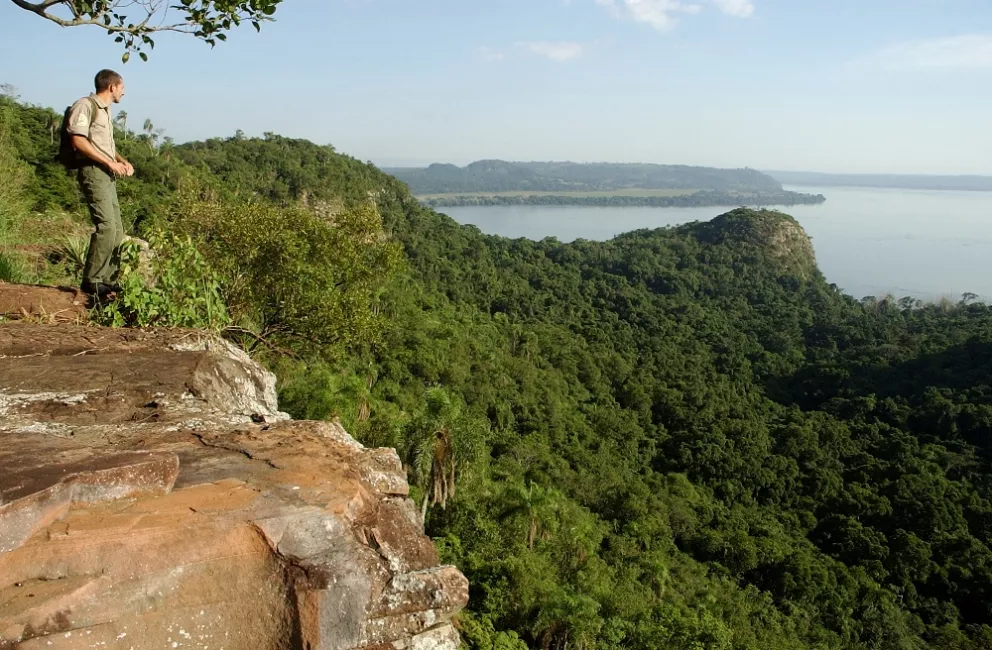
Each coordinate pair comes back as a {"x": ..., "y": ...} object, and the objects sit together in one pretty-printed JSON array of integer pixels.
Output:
[
  {"x": 764, "y": 237},
  {"x": 153, "y": 496}
]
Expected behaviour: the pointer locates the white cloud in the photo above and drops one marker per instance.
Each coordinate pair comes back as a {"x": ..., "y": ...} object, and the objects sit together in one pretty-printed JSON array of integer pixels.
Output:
[
  {"x": 489, "y": 54},
  {"x": 739, "y": 8},
  {"x": 663, "y": 14},
  {"x": 966, "y": 51},
  {"x": 556, "y": 51},
  {"x": 660, "y": 14}
]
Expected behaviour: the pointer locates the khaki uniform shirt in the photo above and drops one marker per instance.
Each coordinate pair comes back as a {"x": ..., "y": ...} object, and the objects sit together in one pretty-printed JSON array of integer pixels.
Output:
[{"x": 102, "y": 132}]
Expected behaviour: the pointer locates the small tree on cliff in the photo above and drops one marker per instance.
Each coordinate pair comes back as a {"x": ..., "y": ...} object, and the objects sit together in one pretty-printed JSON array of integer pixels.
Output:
[{"x": 131, "y": 22}]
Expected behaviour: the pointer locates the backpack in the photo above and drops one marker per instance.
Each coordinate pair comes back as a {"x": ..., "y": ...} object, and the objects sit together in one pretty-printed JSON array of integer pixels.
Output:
[{"x": 67, "y": 155}]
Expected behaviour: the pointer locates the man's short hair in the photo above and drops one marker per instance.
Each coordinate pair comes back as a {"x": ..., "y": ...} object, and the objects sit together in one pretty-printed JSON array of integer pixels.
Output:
[{"x": 106, "y": 78}]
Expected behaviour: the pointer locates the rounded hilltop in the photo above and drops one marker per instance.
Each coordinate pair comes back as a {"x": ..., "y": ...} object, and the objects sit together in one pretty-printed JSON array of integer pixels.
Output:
[{"x": 776, "y": 234}]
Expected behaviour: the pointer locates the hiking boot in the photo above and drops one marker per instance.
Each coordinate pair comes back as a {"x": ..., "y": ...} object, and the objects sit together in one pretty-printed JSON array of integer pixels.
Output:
[{"x": 99, "y": 290}]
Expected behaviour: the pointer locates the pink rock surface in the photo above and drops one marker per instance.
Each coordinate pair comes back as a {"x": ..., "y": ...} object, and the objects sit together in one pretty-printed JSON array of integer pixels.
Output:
[{"x": 152, "y": 496}]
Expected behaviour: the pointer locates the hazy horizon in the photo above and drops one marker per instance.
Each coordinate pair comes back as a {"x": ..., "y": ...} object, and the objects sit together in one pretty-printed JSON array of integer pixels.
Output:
[
  {"x": 466, "y": 162},
  {"x": 891, "y": 87}
]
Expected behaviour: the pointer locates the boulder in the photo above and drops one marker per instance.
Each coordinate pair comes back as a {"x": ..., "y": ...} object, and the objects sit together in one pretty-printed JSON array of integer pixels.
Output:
[{"x": 152, "y": 495}]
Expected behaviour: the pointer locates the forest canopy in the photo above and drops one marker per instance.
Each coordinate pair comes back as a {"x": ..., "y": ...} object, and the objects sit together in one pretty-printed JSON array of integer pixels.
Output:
[{"x": 679, "y": 438}]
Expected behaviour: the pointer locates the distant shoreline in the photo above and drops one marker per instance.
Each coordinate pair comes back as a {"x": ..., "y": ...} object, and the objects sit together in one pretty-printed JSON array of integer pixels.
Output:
[
  {"x": 886, "y": 181},
  {"x": 663, "y": 199}
]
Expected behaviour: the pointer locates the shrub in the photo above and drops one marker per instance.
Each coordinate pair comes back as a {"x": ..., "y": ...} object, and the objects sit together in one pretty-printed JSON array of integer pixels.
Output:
[
  {"x": 179, "y": 289},
  {"x": 290, "y": 275}
]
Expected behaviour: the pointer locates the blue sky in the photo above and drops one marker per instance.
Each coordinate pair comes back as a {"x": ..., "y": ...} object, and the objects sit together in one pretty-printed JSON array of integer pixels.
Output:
[{"x": 838, "y": 85}]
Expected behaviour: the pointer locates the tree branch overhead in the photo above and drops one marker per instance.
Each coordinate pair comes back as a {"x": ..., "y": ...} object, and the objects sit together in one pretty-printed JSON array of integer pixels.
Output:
[{"x": 130, "y": 22}]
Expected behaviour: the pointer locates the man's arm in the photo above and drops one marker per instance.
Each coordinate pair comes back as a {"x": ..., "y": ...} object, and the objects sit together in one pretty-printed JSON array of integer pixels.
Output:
[
  {"x": 85, "y": 147},
  {"x": 80, "y": 122}
]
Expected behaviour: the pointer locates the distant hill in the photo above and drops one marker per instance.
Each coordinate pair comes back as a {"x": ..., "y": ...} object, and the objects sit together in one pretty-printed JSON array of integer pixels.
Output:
[
  {"x": 497, "y": 182},
  {"x": 895, "y": 181},
  {"x": 502, "y": 176}
]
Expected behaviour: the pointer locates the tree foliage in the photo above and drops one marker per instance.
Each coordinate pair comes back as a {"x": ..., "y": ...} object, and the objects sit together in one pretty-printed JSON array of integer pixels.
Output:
[
  {"x": 132, "y": 22},
  {"x": 293, "y": 274}
]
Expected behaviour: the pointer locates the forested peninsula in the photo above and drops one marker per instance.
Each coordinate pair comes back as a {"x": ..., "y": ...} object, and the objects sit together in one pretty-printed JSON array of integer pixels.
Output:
[
  {"x": 679, "y": 438},
  {"x": 497, "y": 182}
]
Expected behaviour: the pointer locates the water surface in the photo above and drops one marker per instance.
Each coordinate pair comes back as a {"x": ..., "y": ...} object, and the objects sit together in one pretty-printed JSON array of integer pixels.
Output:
[{"x": 923, "y": 243}]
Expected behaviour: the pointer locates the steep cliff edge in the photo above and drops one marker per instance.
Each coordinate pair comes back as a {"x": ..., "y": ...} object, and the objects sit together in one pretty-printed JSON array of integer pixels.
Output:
[{"x": 153, "y": 496}]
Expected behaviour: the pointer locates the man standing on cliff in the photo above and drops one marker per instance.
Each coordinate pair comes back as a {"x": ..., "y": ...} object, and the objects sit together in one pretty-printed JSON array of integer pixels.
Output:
[{"x": 99, "y": 167}]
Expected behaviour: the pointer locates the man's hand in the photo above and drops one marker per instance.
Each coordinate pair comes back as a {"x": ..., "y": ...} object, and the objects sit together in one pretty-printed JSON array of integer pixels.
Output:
[
  {"x": 119, "y": 169},
  {"x": 130, "y": 168}
]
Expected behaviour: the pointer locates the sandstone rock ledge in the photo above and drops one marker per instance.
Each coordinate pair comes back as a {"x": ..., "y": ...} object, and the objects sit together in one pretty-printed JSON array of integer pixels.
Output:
[{"x": 153, "y": 496}]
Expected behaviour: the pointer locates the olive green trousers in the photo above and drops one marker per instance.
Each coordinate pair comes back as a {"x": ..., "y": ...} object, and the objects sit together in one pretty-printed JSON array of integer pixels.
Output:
[{"x": 102, "y": 259}]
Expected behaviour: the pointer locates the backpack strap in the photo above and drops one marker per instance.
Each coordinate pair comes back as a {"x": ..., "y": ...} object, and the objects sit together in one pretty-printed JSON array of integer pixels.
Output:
[
  {"x": 93, "y": 112},
  {"x": 68, "y": 155},
  {"x": 96, "y": 107}
]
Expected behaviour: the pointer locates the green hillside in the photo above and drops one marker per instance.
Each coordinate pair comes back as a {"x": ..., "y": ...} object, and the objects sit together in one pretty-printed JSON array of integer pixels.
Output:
[{"x": 679, "y": 438}]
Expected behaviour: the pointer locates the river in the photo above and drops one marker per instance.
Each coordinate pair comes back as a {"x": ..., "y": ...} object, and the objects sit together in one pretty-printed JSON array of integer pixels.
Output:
[{"x": 922, "y": 243}]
